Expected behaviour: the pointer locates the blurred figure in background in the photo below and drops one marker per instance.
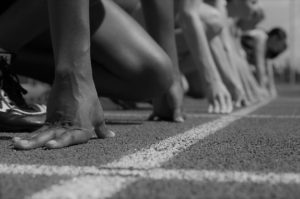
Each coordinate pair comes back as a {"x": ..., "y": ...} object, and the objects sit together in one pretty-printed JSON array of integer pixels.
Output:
[
  {"x": 200, "y": 24},
  {"x": 261, "y": 47}
]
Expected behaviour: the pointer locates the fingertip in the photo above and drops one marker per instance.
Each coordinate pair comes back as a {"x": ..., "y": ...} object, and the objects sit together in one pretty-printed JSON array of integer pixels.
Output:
[
  {"x": 217, "y": 110},
  {"x": 110, "y": 134},
  {"x": 238, "y": 104},
  {"x": 16, "y": 139},
  {"x": 230, "y": 109},
  {"x": 105, "y": 133},
  {"x": 179, "y": 119},
  {"x": 178, "y": 116},
  {"x": 224, "y": 109},
  {"x": 19, "y": 143},
  {"x": 151, "y": 117},
  {"x": 210, "y": 109},
  {"x": 52, "y": 144}
]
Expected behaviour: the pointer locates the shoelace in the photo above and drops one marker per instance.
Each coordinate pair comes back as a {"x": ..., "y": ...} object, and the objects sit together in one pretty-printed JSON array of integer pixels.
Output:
[
  {"x": 5, "y": 103},
  {"x": 10, "y": 84},
  {"x": 12, "y": 92}
]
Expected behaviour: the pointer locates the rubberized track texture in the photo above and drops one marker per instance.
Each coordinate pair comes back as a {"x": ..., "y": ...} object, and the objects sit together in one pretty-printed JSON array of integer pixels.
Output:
[{"x": 252, "y": 153}]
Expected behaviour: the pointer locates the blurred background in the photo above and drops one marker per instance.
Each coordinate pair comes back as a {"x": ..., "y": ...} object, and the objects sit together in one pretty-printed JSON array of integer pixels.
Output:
[
  {"x": 286, "y": 14},
  {"x": 279, "y": 13}
]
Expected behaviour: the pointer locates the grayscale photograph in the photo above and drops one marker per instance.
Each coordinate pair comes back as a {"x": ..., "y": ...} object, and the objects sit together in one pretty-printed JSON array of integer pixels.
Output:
[{"x": 150, "y": 99}]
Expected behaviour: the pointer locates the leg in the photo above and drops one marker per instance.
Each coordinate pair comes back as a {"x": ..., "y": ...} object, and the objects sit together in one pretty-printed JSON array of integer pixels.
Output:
[
  {"x": 159, "y": 18},
  {"x": 129, "y": 65},
  {"x": 119, "y": 62},
  {"x": 195, "y": 34}
]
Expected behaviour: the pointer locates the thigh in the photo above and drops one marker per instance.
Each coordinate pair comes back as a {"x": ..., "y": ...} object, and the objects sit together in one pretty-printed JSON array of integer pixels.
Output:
[
  {"x": 121, "y": 46},
  {"x": 128, "y": 5}
]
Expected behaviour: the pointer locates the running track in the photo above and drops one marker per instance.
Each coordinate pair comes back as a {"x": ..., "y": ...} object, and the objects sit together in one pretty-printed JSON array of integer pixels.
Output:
[{"x": 252, "y": 153}]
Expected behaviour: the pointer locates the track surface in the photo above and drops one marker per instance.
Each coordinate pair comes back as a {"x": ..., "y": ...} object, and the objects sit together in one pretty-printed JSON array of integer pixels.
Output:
[{"x": 252, "y": 153}]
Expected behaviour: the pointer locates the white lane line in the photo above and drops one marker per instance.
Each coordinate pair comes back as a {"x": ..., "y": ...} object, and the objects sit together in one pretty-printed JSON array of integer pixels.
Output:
[
  {"x": 92, "y": 188},
  {"x": 139, "y": 116},
  {"x": 154, "y": 173},
  {"x": 114, "y": 181},
  {"x": 165, "y": 150},
  {"x": 223, "y": 177},
  {"x": 149, "y": 158},
  {"x": 273, "y": 116},
  {"x": 47, "y": 170}
]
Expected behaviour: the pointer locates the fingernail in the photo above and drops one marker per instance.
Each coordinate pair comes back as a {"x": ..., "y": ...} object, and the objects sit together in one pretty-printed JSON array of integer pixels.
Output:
[
  {"x": 111, "y": 134},
  {"x": 52, "y": 143},
  {"x": 16, "y": 139},
  {"x": 179, "y": 119}
]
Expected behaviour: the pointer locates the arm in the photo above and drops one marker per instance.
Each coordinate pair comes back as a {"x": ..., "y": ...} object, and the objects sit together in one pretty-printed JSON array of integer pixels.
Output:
[
  {"x": 76, "y": 121},
  {"x": 259, "y": 56},
  {"x": 228, "y": 72},
  {"x": 195, "y": 35}
]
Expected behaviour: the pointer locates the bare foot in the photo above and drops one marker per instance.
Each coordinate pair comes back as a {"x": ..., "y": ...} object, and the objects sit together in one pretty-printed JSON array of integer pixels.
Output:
[
  {"x": 74, "y": 115},
  {"x": 169, "y": 106}
]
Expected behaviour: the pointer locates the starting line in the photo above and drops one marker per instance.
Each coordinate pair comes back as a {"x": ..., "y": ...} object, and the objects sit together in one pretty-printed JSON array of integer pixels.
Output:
[
  {"x": 155, "y": 174},
  {"x": 140, "y": 116},
  {"x": 107, "y": 180}
]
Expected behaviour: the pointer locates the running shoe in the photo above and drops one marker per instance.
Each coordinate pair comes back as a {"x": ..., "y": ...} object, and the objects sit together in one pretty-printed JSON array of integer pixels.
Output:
[{"x": 15, "y": 113}]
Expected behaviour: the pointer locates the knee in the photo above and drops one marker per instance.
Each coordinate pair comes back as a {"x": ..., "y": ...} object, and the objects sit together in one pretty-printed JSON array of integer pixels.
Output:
[
  {"x": 213, "y": 22},
  {"x": 157, "y": 75}
]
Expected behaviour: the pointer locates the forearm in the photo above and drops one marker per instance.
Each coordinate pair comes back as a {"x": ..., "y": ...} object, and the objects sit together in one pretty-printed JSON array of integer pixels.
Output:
[
  {"x": 270, "y": 76},
  {"x": 228, "y": 72},
  {"x": 70, "y": 31},
  {"x": 260, "y": 61},
  {"x": 199, "y": 47},
  {"x": 231, "y": 52}
]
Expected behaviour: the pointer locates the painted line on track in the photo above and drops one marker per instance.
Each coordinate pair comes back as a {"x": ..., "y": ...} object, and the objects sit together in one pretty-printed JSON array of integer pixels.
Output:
[
  {"x": 154, "y": 174},
  {"x": 147, "y": 158},
  {"x": 118, "y": 180},
  {"x": 161, "y": 152},
  {"x": 136, "y": 116}
]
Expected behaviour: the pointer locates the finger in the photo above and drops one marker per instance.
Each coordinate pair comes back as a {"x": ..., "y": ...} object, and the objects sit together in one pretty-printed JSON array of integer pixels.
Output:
[
  {"x": 38, "y": 132},
  {"x": 223, "y": 104},
  {"x": 153, "y": 117},
  {"x": 69, "y": 138},
  {"x": 31, "y": 135},
  {"x": 245, "y": 102},
  {"x": 210, "y": 108},
  {"x": 228, "y": 101},
  {"x": 216, "y": 108},
  {"x": 103, "y": 132},
  {"x": 238, "y": 103},
  {"x": 230, "y": 106},
  {"x": 37, "y": 141},
  {"x": 178, "y": 116}
]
